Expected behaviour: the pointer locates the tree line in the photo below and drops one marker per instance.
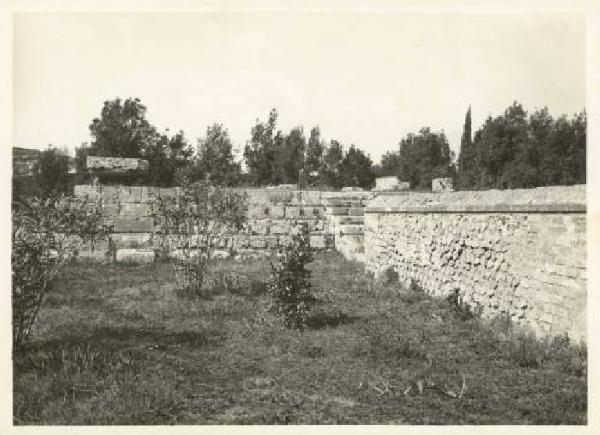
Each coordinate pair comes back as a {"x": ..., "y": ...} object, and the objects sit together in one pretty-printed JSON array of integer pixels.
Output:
[{"x": 512, "y": 150}]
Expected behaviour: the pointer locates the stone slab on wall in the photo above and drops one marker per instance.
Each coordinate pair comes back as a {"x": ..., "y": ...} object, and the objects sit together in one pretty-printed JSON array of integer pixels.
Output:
[
  {"x": 521, "y": 253},
  {"x": 115, "y": 164},
  {"x": 390, "y": 184}
]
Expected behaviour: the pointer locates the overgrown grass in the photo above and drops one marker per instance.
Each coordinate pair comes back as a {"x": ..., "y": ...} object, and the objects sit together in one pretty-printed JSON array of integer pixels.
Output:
[{"x": 115, "y": 345}]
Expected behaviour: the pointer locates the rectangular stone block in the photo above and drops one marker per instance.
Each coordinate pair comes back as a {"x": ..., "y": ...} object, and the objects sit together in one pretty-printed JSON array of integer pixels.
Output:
[
  {"x": 168, "y": 191},
  {"x": 276, "y": 211},
  {"x": 258, "y": 211},
  {"x": 130, "y": 193},
  {"x": 280, "y": 227},
  {"x": 259, "y": 227},
  {"x": 258, "y": 242},
  {"x": 131, "y": 240},
  {"x": 351, "y": 229},
  {"x": 293, "y": 212},
  {"x": 94, "y": 251},
  {"x": 285, "y": 240},
  {"x": 135, "y": 256},
  {"x": 110, "y": 209},
  {"x": 135, "y": 209},
  {"x": 150, "y": 193},
  {"x": 133, "y": 225},
  {"x": 356, "y": 211},
  {"x": 87, "y": 191},
  {"x": 336, "y": 211},
  {"x": 272, "y": 241},
  {"x": 317, "y": 242}
]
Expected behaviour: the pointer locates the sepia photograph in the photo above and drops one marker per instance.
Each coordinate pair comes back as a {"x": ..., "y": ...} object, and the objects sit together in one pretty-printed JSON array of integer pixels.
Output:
[{"x": 343, "y": 215}]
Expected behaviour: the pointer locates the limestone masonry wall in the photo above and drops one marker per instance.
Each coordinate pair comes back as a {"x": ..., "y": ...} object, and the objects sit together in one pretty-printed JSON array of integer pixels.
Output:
[
  {"x": 335, "y": 219},
  {"x": 519, "y": 252}
]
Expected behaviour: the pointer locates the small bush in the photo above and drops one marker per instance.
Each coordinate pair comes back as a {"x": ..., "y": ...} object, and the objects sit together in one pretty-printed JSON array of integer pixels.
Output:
[
  {"x": 459, "y": 307},
  {"x": 46, "y": 235},
  {"x": 194, "y": 223},
  {"x": 290, "y": 286},
  {"x": 390, "y": 276}
]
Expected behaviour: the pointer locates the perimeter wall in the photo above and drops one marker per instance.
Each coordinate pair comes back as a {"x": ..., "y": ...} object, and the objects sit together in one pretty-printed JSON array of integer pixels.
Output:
[{"x": 521, "y": 253}]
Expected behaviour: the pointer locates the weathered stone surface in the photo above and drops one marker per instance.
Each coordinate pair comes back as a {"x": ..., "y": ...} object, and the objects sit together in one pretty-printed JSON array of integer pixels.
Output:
[
  {"x": 317, "y": 242},
  {"x": 136, "y": 209},
  {"x": 526, "y": 264},
  {"x": 442, "y": 185},
  {"x": 352, "y": 189},
  {"x": 132, "y": 240},
  {"x": 133, "y": 225},
  {"x": 134, "y": 256},
  {"x": 390, "y": 184},
  {"x": 115, "y": 165},
  {"x": 563, "y": 199}
]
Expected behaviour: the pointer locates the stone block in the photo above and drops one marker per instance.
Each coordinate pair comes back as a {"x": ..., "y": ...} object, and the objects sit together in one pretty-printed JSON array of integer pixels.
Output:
[
  {"x": 116, "y": 165},
  {"x": 292, "y": 212},
  {"x": 272, "y": 241},
  {"x": 336, "y": 211},
  {"x": 221, "y": 254},
  {"x": 352, "y": 189},
  {"x": 285, "y": 240},
  {"x": 128, "y": 255},
  {"x": 390, "y": 184},
  {"x": 276, "y": 211},
  {"x": 280, "y": 227},
  {"x": 318, "y": 242},
  {"x": 131, "y": 240},
  {"x": 135, "y": 209},
  {"x": 110, "y": 209},
  {"x": 351, "y": 229},
  {"x": 356, "y": 211},
  {"x": 258, "y": 211},
  {"x": 258, "y": 242},
  {"x": 99, "y": 250},
  {"x": 259, "y": 227},
  {"x": 133, "y": 225},
  {"x": 87, "y": 191}
]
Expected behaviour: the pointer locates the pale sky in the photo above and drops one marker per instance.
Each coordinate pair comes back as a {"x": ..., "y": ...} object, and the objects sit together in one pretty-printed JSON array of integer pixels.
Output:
[{"x": 366, "y": 79}]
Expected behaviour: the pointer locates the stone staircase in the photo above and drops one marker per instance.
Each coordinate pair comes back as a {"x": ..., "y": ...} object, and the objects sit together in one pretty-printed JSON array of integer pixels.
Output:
[{"x": 345, "y": 217}]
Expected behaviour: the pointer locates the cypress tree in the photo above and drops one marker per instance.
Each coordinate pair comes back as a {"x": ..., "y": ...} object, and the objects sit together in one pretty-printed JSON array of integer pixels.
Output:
[{"x": 466, "y": 159}]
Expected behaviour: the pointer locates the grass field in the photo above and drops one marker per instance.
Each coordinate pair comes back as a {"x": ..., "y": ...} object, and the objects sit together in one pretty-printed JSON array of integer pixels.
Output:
[{"x": 114, "y": 345}]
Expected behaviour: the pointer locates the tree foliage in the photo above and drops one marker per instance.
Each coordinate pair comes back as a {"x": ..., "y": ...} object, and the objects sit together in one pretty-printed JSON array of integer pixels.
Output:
[
  {"x": 421, "y": 157},
  {"x": 356, "y": 169},
  {"x": 515, "y": 150},
  {"x": 216, "y": 164},
  {"x": 259, "y": 152},
  {"x": 314, "y": 157},
  {"x": 52, "y": 171},
  {"x": 122, "y": 129}
]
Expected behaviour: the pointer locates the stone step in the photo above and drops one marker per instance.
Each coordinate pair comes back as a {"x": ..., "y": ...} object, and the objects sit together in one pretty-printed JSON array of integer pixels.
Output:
[
  {"x": 135, "y": 256},
  {"x": 351, "y": 229},
  {"x": 351, "y": 220}
]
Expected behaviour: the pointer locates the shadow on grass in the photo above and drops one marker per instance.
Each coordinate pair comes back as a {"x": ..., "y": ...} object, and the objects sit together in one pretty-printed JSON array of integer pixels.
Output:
[
  {"x": 324, "y": 319},
  {"x": 118, "y": 338}
]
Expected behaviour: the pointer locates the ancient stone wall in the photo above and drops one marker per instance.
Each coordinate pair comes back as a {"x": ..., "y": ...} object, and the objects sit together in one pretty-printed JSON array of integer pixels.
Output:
[
  {"x": 334, "y": 219},
  {"x": 519, "y": 252}
]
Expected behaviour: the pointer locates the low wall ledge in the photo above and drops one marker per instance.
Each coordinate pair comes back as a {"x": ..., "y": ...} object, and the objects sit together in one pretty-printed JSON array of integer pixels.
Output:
[{"x": 554, "y": 199}]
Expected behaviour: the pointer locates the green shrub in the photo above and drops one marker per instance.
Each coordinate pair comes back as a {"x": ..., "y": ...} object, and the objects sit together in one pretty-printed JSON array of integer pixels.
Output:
[
  {"x": 46, "y": 235},
  {"x": 290, "y": 286},
  {"x": 194, "y": 223},
  {"x": 459, "y": 307}
]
